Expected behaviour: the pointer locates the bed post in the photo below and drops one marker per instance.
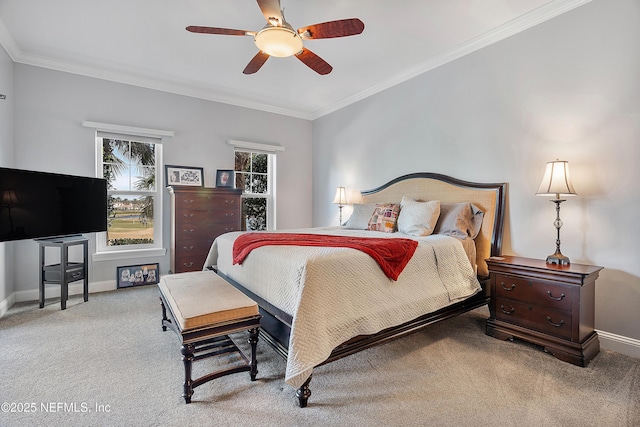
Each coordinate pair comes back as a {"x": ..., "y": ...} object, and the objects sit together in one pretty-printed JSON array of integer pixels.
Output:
[{"x": 303, "y": 393}]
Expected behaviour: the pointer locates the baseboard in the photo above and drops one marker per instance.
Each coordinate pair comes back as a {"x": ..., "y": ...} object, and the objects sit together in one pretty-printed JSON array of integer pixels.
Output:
[
  {"x": 6, "y": 304},
  {"x": 620, "y": 344},
  {"x": 53, "y": 291}
]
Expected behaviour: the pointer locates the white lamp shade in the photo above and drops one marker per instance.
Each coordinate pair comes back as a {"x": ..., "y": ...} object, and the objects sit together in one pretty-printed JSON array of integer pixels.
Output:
[
  {"x": 556, "y": 180},
  {"x": 341, "y": 196}
]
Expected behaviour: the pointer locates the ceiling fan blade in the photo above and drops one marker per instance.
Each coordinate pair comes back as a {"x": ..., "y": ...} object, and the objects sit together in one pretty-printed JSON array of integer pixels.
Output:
[
  {"x": 314, "y": 62},
  {"x": 327, "y": 30},
  {"x": 272, "y": 11},
  {"x": 256, "y": 63},
  {"x": 223, "y": 31}
]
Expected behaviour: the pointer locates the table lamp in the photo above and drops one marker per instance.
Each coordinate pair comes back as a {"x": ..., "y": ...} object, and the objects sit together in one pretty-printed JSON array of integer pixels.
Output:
[
  {"x": 556, "y": 182},
  {"x": 340, "y": 199}
]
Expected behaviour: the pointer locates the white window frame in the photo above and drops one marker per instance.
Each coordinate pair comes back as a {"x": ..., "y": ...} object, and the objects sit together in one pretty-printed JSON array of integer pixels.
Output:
[
  {"x": 270, "y": 151},
  {"x": 128, "y": 133}
]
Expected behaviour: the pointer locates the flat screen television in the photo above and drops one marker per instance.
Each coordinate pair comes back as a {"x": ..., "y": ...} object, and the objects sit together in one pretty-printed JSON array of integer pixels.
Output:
[{"x": 37, "y": 205}]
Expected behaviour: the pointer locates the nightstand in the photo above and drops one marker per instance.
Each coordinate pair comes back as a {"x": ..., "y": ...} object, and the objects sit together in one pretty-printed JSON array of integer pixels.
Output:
[{"x": 548, "y": 305}]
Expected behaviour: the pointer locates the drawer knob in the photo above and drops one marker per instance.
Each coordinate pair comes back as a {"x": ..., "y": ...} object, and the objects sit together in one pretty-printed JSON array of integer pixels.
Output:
[
  {"x": 555, "y": 298},
  {"x": 507, "y": 311},
  {"x": 513, "y": 286},
  {"x": 557, "y": 325},
  {"x": 189, "y": 201},
  {"x": 190, "y": 248},
  {"x": 188, "y": 215},
  {"x": 188, "y": 265},
  {"x": 188, "y": 231}
]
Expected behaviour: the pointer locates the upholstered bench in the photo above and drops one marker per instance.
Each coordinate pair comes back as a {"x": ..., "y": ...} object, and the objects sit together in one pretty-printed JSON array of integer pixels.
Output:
[{"x": 203, "y": 309}]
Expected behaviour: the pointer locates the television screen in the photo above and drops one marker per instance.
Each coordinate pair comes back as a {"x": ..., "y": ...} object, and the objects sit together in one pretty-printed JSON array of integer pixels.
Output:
[{"x": 39, "y": 204}]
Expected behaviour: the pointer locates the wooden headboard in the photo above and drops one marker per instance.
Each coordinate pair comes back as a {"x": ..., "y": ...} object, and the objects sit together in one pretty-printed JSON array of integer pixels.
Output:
[{"x": 432, "y": 186}]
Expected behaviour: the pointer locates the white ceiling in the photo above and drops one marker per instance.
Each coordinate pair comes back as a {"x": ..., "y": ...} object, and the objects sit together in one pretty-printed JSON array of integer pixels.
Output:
[{"x": 144, "y": 43}]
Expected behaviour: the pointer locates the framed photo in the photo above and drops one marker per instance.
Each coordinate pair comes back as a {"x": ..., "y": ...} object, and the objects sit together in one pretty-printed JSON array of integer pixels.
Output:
[
  {"x": 136, "y": 275},
  {"x": 224, "y": 178},
  {"x": 184, "y": 175}
]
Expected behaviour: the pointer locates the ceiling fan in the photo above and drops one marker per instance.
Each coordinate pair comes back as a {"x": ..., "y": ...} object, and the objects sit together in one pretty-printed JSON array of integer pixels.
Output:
[{"x": 278, "y": 38}]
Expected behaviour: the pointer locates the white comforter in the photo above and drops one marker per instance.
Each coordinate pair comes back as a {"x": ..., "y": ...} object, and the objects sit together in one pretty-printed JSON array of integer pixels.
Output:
[{"x": 335, "y": 294}]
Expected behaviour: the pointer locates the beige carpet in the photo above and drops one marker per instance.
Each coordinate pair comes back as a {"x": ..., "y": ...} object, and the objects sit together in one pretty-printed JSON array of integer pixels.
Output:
[{"x": 107, "y": 362}]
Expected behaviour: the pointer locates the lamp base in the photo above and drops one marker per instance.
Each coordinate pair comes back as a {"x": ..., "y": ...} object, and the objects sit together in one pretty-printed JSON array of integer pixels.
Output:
[{"x": 558, "y": 259}]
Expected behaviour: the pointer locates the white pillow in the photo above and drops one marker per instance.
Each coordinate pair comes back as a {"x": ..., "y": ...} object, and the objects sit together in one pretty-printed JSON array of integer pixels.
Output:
[
  {"x": 418, "y": 218},
  {"x": 359, "y": 219}
]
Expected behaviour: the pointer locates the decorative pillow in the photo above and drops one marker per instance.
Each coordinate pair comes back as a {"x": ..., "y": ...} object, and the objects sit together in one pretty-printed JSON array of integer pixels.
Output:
[
  {"x": 460, "y": 220},
  {"x": 418, "y": 218},
  {"x": 384, "y": 217},
  {"x": 359, "y": 219}
]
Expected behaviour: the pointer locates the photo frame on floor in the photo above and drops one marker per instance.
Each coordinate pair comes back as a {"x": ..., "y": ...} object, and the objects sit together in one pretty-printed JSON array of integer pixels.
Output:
[{"x": 137, "y": 275}]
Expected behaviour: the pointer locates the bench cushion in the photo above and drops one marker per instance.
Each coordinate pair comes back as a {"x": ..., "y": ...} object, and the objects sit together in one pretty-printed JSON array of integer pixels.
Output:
[{"x": 202, "y": 298}]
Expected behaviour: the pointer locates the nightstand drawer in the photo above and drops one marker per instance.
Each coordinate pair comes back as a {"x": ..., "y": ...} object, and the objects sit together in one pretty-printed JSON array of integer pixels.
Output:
[
  {"x": 540, "y": 318},
  {"x": 73, "y": 272},
  {"x": 548, "y": 294}
]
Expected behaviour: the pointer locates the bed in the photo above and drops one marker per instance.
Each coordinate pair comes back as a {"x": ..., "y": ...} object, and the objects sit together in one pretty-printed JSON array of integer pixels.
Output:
[{"x": 323, "y": 303}]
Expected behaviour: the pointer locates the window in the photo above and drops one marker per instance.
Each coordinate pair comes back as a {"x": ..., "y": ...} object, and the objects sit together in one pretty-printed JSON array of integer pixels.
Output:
[
  {"x": 130, "y": 168},
  {"x": 130, "y": 159},
  {"x": 254, "y": 175}
]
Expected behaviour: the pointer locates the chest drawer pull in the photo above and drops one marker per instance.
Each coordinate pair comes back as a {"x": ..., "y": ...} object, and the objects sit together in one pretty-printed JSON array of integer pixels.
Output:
[
  {"x": 557, "y": 325},
  {"x": 190, "y": 248},
  {"x": 556, "y": 298},
  {"x": 188, "y": 215},
  {"x": 507, "y": 311},
  {"x": 513, "y": 286},
  {"x": 188, "y": 201},
  {"x": 188, "y": 265}
]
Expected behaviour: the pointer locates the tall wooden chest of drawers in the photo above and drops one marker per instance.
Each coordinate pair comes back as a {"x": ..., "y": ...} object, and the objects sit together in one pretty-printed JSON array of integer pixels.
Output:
[
  {"x": 198, "y": 216},
  {"x": 549, "y": 305}
]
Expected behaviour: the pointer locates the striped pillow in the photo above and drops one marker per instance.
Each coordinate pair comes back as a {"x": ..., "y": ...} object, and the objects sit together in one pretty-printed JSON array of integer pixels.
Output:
[{"x": 384, "y": 218}]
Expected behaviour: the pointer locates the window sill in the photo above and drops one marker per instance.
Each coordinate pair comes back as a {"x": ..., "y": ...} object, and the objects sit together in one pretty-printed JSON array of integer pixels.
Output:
[{"x": 133, "y": 253}]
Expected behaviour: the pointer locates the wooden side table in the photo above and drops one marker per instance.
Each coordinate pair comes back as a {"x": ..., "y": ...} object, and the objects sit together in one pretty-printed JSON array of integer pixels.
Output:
[
  {"x": 65, "y": 272},
  {"x": 549, "y": 305}
]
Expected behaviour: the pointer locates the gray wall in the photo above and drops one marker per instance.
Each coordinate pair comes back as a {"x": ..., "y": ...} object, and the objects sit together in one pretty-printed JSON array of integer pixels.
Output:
[
  {"x": 6, "y": 160},
  {"x": 567, "y": 89},
  {"x": 50, "y": 107}
]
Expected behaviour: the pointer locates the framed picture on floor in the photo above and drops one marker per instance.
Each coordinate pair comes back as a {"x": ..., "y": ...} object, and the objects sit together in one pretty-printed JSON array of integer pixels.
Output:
[
  {"x": 136, "y": 275},
  {"x": 184, "y": 175}
]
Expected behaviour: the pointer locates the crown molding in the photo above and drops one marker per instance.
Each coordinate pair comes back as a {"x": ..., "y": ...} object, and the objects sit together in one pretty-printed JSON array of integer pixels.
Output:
[
  {"x": 515, "y": 26},
  {"x": 193, "y": 89},
  {"x": 8, "y": 43}
]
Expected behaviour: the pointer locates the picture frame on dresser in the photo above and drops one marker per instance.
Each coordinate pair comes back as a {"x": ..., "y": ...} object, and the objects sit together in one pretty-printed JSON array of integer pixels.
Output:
[
  {"x": 224, "y": 178},
  {"x": 191, "y": 176}
]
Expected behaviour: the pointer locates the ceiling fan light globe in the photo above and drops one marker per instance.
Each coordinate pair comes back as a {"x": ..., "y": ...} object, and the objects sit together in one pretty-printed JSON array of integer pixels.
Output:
[{"x": 278, "y": 41}]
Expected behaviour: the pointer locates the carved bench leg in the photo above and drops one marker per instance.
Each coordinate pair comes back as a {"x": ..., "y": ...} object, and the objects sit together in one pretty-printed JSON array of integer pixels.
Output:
[
  {"x": 164, "y": 314},
  {"x": 253, "y": 340},
  {"x": 303, "y": 393},
  {"x": 187, "y": 357}
]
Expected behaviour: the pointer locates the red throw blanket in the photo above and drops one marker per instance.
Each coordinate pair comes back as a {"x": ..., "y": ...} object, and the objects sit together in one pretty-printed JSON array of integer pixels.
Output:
[{"x": 391, "y": 254}]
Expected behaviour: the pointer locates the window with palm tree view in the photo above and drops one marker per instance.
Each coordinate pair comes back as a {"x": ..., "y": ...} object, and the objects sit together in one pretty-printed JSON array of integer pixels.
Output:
[
  {"x": 130, "y": 168},
  {"x": 254, "y": 177}
]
